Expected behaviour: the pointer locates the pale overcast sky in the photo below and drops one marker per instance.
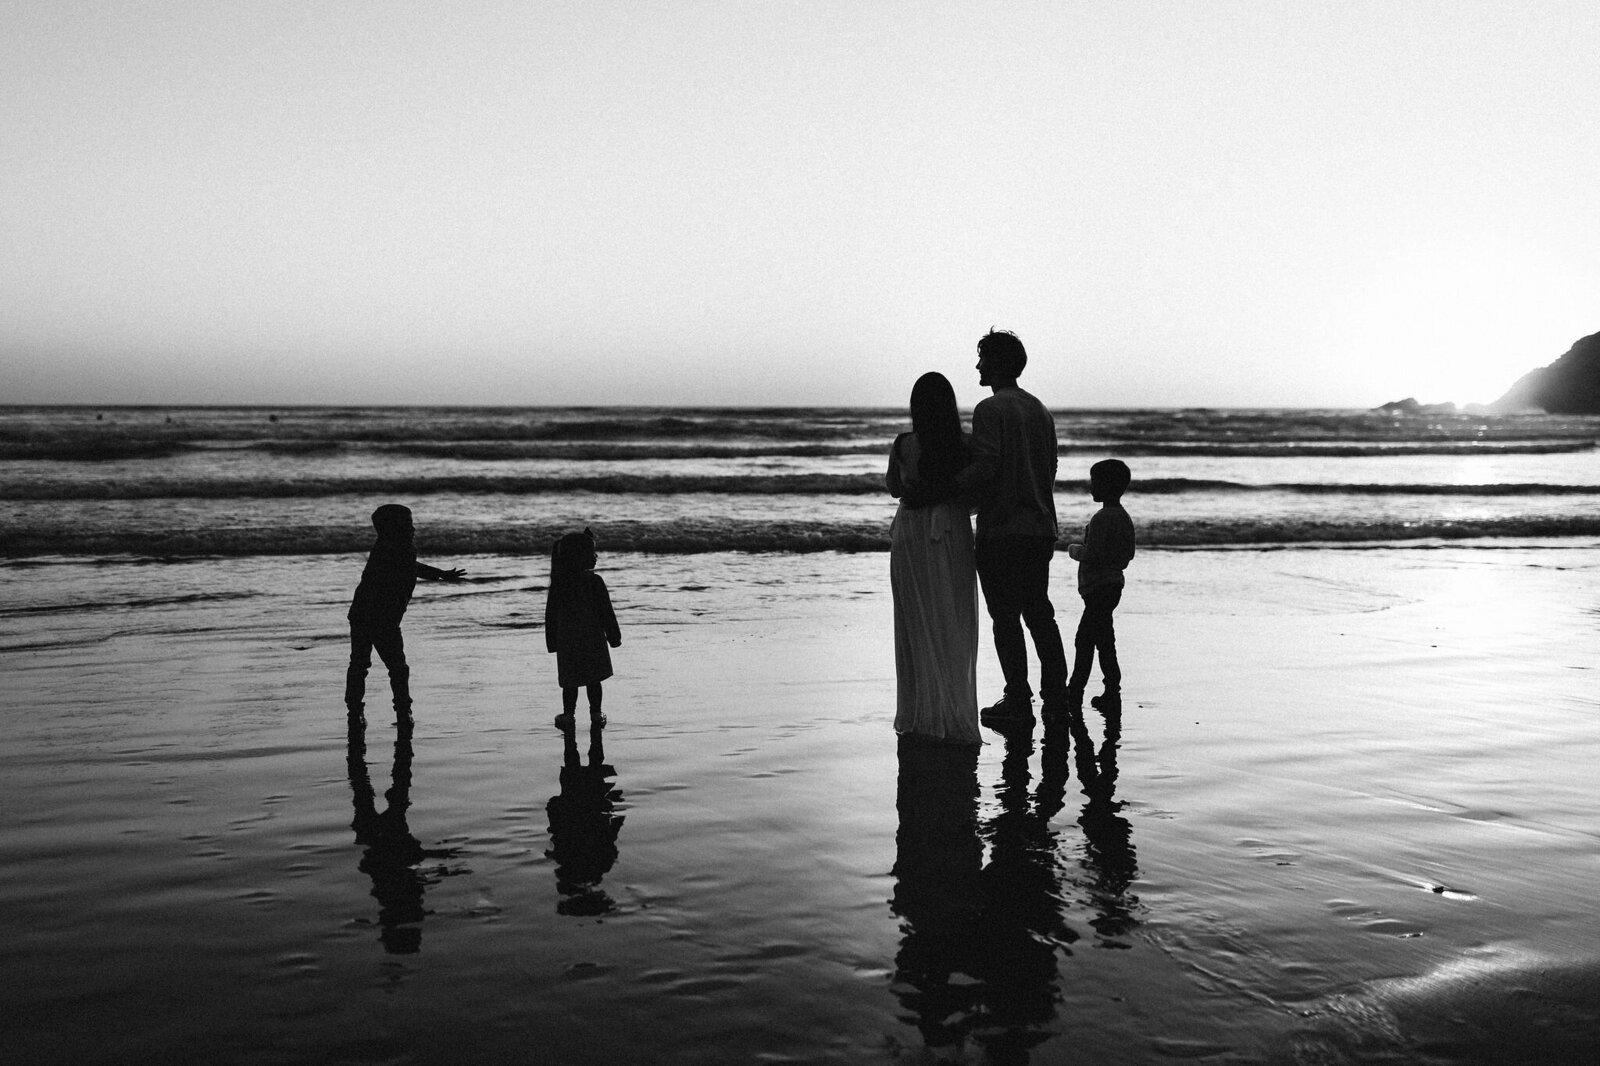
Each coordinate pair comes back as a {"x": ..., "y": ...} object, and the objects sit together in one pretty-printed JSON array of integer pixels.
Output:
[{"x": 1260, "y": 202}]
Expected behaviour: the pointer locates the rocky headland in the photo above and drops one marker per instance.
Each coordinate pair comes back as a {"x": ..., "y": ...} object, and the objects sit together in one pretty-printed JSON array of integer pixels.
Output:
[{"x": 1568, "y": 386}]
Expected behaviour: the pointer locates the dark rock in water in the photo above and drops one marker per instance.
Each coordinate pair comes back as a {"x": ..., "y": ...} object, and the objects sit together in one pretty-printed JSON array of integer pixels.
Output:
[
  {"x": 1568, "y": 386},
  {"x": 1411, "y": 406}
]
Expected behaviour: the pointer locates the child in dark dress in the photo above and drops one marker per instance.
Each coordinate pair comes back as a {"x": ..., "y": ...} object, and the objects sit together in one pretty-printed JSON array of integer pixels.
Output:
[
  {"x": 380, "y": 603},
  {"x": 578, "y": 624}
]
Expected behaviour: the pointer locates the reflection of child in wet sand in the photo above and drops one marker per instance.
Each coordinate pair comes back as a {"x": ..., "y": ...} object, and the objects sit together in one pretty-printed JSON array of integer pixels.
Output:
[
  {"x": 1106, "y": 550},
  {"x": 578, "y": 624},
  {"x": 380, "y": 603},
  {"x": 584, "y": 824}
]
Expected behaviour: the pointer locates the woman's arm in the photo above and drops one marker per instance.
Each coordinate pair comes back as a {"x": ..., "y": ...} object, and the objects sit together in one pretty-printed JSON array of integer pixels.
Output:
[{"x": 891, "y": 479}]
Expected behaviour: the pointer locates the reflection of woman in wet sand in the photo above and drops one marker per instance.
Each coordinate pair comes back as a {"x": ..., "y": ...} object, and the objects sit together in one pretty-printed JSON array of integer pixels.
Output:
[
  {"x": 584, "y": 826},
  {"x": 979, "y": 943},
  {"x": 392, "y": 853},
  {"x": 932, "y": 575},
  {"x": 937, "y": 894}
]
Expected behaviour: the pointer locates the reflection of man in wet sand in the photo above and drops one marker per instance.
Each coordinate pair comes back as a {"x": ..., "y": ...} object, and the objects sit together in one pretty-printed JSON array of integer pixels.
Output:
[
  {"x": 978, "y": 953},
  {"x": 392, "y": 853},
  {"x": 584, "y": 826},
  {"x": 1025, "y": 925}
]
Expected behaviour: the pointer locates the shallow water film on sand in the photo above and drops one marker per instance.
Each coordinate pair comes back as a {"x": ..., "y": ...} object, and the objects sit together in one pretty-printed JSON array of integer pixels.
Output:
[{"x": 1346, "y": 814}]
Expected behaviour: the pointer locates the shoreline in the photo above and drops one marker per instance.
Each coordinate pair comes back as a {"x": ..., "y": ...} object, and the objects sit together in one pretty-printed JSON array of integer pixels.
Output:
[{"x": 535, "y": 545}]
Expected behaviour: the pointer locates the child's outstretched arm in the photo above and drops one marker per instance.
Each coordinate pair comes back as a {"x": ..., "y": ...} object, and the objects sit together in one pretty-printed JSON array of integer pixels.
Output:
[{"x": 433, "y": 573}]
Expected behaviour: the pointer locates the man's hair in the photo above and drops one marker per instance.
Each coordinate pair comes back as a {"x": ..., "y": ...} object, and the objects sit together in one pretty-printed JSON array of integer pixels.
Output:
[
  {"x": 1002, "y": 346},
  {"x": 1112, "y": 475}
]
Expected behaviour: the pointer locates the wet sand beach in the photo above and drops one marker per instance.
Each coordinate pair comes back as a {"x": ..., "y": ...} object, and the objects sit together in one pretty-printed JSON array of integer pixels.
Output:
[{"x": 1347, "y": 814}]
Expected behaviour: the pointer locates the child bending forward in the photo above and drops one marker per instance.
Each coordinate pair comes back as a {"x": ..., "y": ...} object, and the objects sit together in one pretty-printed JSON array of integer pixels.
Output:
[{"x": 380, "y": 603}]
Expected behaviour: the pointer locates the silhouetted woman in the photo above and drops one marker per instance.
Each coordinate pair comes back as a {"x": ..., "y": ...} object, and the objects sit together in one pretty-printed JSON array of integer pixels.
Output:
[{"x": 931, "y": 572}]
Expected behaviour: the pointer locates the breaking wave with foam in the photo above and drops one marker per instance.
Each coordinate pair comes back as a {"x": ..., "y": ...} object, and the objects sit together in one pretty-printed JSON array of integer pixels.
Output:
[{"x": 240, "y": 481}]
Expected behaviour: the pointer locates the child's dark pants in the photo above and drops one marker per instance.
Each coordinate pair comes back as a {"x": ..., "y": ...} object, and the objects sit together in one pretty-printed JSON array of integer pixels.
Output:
[
  {"x": 391, "y": 648},
  {"x": 1095, "y": 633}
]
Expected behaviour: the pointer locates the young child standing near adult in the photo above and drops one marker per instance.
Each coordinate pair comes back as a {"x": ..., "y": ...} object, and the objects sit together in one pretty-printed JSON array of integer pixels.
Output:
[
  {"x": 380, "y": 603},
  {"x": 1103, "y": 555},
  {"x": 578, "y": 625}
]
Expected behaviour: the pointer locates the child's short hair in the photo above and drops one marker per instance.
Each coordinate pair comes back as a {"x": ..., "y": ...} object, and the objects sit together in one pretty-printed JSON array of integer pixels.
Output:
[
  {"x": 1112, "y": 476},
  {"x": 388, "y": 518}
]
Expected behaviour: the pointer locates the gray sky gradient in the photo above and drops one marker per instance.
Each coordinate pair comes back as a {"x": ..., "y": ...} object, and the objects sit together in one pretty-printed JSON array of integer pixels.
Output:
[{"x": 1257, "y": 202}]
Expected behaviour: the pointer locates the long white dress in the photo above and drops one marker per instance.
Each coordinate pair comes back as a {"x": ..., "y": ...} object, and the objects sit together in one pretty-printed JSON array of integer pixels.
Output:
[{"x": 935, "y": 612}]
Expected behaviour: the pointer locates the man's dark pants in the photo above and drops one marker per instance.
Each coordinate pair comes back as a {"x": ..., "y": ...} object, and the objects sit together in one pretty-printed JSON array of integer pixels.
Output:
[
  {"x": 1015, "y": 574},
  {"x": 1096, "y": 633},
  {"x": 391, "y": 648}
]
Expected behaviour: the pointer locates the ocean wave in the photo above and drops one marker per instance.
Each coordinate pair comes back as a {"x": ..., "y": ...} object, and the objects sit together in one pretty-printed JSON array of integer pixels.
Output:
[
  {"x": 134, "y": 604},
  {"x": 89, "y": 434},
  {"x": 71, "y": 432},
  {"x": 445, "y": 542},
  {"x": 593, "y": 452},
  {"x": 1178, "y": 485},
  {"x": 422, "y": 485},
  {"x": 90, "y": 451},
  {"x": 683, "y": 484},
  {"x": 109, "y": 449},
  {"x": 1283, "y": 449},
  {"x": 1248, "y": 426}
]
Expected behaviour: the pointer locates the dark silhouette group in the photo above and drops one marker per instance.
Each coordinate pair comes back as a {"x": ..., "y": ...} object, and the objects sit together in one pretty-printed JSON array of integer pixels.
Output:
[
  {"x": 1004, "y": 471},
  {"x": 979, "y": 893}
]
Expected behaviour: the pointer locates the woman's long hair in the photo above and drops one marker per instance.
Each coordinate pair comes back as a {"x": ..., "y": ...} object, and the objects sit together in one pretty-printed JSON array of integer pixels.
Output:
[{"x": 937, "y": 424}]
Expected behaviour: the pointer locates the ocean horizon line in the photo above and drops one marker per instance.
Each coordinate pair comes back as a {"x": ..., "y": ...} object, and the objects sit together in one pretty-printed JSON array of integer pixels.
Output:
[{"x": 754, "y": 408}]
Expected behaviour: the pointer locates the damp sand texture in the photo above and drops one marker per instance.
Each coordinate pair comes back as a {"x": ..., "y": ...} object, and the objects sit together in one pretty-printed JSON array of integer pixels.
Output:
[{"x": 1347, "y": 814}]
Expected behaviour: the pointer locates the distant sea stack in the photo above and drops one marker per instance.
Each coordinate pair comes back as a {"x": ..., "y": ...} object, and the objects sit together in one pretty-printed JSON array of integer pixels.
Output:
[
  {"x": 1568, "y": 386},
  {"x": 1412, "y": 406}
]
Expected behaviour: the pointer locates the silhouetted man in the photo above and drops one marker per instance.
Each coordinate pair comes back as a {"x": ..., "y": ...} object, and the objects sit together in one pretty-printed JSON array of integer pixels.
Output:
[{"x": 1012, "y": 475}]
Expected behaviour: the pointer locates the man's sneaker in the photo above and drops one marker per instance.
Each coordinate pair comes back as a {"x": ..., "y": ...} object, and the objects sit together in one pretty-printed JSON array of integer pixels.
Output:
[
  {"x": 1009, "y": 711},
  {"x": 1110, "y": 699}
]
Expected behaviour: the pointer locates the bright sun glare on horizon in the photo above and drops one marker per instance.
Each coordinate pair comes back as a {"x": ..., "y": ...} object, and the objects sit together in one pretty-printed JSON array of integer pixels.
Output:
[{"x": 1453, "y": 325}]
